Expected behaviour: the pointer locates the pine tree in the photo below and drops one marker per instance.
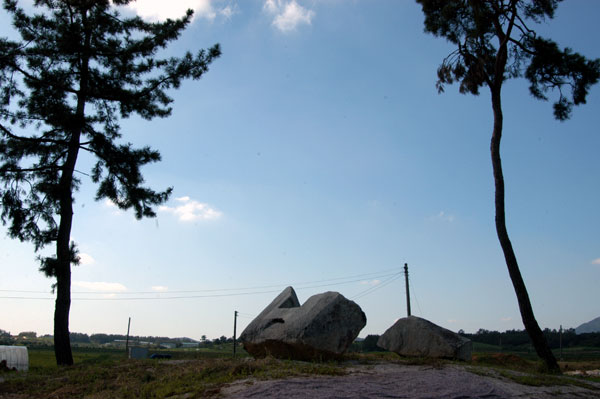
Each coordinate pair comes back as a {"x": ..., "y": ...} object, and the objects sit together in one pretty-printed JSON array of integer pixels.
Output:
[
  {"x": 494, "y": 42},
  {"x": 78, "y": 69}
]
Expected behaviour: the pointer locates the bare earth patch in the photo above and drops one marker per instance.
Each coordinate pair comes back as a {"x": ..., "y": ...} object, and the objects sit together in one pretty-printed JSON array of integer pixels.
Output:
[{"x": 402, "y": 381}]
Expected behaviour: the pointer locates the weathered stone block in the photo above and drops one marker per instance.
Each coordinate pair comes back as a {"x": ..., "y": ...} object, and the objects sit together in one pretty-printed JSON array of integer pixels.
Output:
[
  {"x": 322, "y": 328},
  {"x": 413, "y": 336}
]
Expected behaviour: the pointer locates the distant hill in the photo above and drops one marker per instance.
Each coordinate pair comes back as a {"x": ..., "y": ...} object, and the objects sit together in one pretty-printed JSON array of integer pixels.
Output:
[{"x": 589, "y": 327}]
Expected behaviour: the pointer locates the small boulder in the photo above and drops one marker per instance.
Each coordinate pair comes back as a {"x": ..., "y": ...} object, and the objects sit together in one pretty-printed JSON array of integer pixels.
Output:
[
  {"x": 413, "y": 336},
  {"x": 322, "y": 328}
]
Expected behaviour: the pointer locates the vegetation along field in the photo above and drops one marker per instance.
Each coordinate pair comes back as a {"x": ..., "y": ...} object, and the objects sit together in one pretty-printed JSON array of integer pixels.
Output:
[{"x": 202, "y": 372}]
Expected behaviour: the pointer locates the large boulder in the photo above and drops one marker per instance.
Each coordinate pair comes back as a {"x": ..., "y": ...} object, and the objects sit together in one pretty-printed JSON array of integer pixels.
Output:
[
  {"x": 322, "y": 328},
  {"x": 413, "y": 336}
]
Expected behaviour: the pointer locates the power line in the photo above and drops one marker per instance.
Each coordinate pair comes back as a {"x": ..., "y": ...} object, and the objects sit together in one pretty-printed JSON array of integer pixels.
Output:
[
  {"x": 246, "y": 315},
  {"x": 380, "y": 274},
  {"x": 159, "y": 297},
  {"x": 25, "y": 297},
  {"x": 374, "y": 288},
  {"x": 153, "y": 298},
  {"x": 415, "y": 295}
]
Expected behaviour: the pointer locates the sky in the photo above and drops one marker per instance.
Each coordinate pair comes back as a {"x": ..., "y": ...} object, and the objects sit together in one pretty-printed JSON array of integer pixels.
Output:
[{"x": 317, "y": 153}]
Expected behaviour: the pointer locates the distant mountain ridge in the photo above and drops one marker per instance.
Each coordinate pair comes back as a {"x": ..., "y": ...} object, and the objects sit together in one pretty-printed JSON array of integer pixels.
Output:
[{"x": 589, "y": 327}]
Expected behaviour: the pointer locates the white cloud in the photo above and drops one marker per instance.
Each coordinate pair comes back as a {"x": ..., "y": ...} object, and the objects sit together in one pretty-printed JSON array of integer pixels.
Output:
[
  {"x": 108, "y": 204},
  {"x": 288, "y": 14},
  {"x": 159, "y": 10},
  {"x": 228, "y": 11},
  {"x": 190, "y": 210},
  {"x": 272, "y": 6},
  {"x": 86, "y": 259},
  {"x": 505, "y": 319},
  {"x": 160, "y": 288},
  {"x": 100, "y": 286},
  {"x": 596, "y": 261},
  {"x": 443, "y": 216},
  {"x": 452, "y": 321}
]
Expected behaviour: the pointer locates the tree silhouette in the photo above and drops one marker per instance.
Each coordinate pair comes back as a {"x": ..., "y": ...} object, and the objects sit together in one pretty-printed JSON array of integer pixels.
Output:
[
  {"x": 495, "y": 42},
  {"x": 78, "y": 69}
]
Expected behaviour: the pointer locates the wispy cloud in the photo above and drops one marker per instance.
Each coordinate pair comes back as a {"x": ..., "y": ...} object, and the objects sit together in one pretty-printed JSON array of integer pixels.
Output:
[
  {"x": 288, "y": 15},
  {"x": 444, "y": 217},
  {"x": 160, "y": 288},
  {"x": 370, "y": 282},
  {"x": 108, "y": 204},
  {"x": 190, "y": 210},
  {"x": 100, "y": 286},
  {"x": 86, "y": 259},
  {"x": 505, "y": 319},
  {"x": 452, "y": 321},
  {"x": 158, "y": 10},
  {"x": 228, "y": 11},
  {"x": 596, "y": 261}
]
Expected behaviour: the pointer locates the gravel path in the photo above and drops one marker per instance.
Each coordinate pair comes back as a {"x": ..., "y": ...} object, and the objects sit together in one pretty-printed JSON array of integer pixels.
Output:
[{"x": 400, "y": 381}]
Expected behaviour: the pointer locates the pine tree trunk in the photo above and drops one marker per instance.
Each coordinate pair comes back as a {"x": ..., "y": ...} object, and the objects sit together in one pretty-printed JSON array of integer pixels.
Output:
[
  {"x": 62, "y": 341},
  {"x": 531, "y": 326}
]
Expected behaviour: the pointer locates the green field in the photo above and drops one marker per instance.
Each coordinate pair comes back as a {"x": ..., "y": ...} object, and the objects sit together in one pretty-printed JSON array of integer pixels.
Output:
[
  {"x": 41, "y": 359},
  {"x": 107, "y": 373},
  {"x": 573, "y": 354}
]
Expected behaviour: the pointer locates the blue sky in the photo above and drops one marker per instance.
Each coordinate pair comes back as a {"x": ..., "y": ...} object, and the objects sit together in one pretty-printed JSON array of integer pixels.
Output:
[{"x": 317, "y": 152}]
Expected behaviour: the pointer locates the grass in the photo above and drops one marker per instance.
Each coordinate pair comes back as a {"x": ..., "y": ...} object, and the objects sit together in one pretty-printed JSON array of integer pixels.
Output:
[
  {"x": 43, "y": 360},
  {"x": 571, "y": 354},
  {"x": 538, "y": 380},
  {"x": 390, "y": 357},
  {"x": 108, "y": 374},
  {"x": 529, "y": 372},
  {"x": 191, "y": 373},
  {"x": 505, "y": 361}
]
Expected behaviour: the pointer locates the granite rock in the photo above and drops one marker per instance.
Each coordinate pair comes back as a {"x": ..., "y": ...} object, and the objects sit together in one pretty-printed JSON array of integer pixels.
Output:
[
  {"x": 322, "y": 328},
  {"x": 413, "y": 336}
]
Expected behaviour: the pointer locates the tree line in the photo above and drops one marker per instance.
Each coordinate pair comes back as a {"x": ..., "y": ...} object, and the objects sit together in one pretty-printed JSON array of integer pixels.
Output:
[
  {"x": 520, "y": 338},
  {"x": 510, "y": 339},
  {"x": 31, "y": 337}
]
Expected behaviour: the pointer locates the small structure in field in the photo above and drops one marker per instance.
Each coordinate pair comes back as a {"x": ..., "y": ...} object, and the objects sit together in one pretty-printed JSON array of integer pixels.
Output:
[
  {"x": 136, "y": 352},
  {"x": 15, "y": 357}
]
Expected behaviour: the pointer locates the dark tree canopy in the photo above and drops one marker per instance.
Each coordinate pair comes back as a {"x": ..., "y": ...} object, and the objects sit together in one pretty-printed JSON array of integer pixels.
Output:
[
  {"x": 494, "y": 41},
  {"x": 483, "y": 29},
  {"x": 78, "y": 69},
  {"x": 42, "y": 86}
]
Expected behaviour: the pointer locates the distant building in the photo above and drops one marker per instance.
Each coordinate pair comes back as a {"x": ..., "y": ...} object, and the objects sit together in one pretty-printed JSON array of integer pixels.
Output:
[
  {"x": 138, "y": 353},
  {"x": 168, "y": 345},
  {"x": 123, "y": 342},
  {"x": 189, "y": 345}
]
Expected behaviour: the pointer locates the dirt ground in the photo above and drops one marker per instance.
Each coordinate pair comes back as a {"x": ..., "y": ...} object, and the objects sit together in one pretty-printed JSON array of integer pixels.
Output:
[{"x": 401, "y": 381}]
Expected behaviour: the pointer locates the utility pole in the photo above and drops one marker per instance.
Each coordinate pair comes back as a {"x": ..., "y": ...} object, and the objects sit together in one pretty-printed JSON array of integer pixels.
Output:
[
  {"x": 561, "y": 354},
  {"x": 127, "y": 340},
  {"x": 407, "y": 290},
  {"x": 234, "y": 331}
]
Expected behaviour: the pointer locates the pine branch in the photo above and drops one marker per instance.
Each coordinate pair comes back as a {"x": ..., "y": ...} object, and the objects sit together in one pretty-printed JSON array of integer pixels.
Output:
[{"x": 33, "y": 139}]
